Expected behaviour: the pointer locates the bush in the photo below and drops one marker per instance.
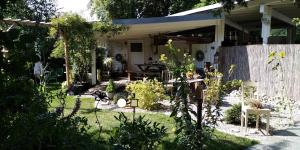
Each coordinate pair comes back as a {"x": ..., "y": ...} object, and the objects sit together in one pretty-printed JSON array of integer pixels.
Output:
[
  {"x": 35, "y": 128},
  {"x": 233, "y": 115},
  {"x": 139, "y": 134},
  {"x": 111, "y": 87},
  {"x": 119, "y": 95},
  {"x": 148, "y": 92},
  {"x": 229, "y": 86}
]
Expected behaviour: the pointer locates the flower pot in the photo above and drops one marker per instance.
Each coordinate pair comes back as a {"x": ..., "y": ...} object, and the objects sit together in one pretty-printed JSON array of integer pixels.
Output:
[{"x": 110, "y": 95}]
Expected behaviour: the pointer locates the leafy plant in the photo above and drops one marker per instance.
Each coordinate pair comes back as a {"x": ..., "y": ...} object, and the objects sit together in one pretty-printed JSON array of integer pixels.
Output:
[
  {"x": 119, "y": 95},
  {"x": 213, "y": 87},
  {"x": 139, "y": 134},
  {"x": 283, "y": 101},
  {"x": 148, "y": 92},
  {"x": 77, "y": 42},
  {"x": 232, "y": 85},
  {"x": 190, "y": 134},
  {"x": 233, "y": 115},
  {"x": 111, "y": 87}
]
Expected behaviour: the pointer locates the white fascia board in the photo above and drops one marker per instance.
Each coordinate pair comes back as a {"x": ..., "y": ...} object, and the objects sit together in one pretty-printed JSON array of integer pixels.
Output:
[
  {"x": 197, "y": 10},
  {"x": 201, "y": 9}
]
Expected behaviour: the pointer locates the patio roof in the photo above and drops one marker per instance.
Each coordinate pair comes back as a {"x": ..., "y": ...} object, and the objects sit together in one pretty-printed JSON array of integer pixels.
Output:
[
  {"x": 283, "y": 10},
  {"x": 11, "y": 21},
  {"x": 145, "y": 27}
]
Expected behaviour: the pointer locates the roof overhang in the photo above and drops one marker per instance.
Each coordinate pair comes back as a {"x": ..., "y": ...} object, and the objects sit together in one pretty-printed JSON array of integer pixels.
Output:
[
  {"x": 283, "y": 12},
  {"x": 147, "y": 27},
  {"x": 10, "y": 21}
]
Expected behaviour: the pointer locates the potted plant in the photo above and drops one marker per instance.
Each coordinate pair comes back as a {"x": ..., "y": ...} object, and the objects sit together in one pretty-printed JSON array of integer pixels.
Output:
[{"x": 110, "y": 89}]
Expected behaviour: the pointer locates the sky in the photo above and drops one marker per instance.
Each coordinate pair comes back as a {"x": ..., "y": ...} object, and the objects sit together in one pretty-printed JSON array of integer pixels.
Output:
[{"x": 75, "y": 6}]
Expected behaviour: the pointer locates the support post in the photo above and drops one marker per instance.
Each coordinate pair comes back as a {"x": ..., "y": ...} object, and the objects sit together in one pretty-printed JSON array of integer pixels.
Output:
[
  {"x": 266, "y": 22},
  {"x": 66, "y": 59},
  {"x": 190, "y": 48},
  {"x": 219, "y": 32},
  {"x": 93, "y": 66},
  {"x": 219, "y": 37},
  {"x": 291, "y": 35}
]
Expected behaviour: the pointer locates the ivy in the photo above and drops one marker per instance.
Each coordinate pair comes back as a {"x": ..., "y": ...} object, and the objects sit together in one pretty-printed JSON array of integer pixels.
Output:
[{"x": 78, "y": 35}]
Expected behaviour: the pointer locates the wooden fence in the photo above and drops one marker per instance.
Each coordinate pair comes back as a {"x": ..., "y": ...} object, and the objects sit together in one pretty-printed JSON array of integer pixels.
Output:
[{"x": 252, "y": 65}]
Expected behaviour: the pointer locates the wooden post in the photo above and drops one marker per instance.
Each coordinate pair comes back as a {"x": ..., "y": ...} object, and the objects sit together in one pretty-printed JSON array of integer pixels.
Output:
[
  {"x": 66, "y": 59},
  {"x": 190, "y": 48},
  {"x": 199, "y": 96},
  {"x": 93, "y": 66}
]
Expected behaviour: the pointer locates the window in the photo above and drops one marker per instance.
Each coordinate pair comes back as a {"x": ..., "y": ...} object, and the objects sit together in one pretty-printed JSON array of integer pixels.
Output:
[
  {"x": 136, "y": 47},
  {"x": 279, "y": 32}
]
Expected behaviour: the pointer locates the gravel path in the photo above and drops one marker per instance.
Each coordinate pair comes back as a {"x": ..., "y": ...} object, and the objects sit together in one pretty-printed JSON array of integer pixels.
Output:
[{"x": 283, "y": 137}]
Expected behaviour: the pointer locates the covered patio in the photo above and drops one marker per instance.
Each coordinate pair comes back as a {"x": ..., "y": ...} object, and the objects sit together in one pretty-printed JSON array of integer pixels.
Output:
[{"x": 142, "y": 44}]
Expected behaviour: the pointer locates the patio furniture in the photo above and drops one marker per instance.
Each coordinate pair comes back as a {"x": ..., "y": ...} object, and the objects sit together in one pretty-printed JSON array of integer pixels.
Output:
[
  {"x": 152, "y": 67},
  {"x": 166, "y": 76},
  {"x": 246, "y": 111},
  {"x": 248, "y": 94}
]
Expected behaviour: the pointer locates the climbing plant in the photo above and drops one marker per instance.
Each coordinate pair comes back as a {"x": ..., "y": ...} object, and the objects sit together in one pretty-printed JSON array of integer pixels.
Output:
[
  {"x": 77, "y": 40},
  {"x": 283, "y": 102},
  {"x": 190, "y": 133}
]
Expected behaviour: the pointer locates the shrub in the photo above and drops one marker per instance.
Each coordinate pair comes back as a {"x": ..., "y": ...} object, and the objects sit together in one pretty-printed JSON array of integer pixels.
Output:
[
  {"x": 119, "y": 95},
  {"x": 36, "y": 128},
  {"x": 229, "y": 86},
  {"x": 139, "y": 134},
  {"x": 233, "y": 115},
  {"x": 148, "y": 92},
  {"x": 111, "y": 87}
]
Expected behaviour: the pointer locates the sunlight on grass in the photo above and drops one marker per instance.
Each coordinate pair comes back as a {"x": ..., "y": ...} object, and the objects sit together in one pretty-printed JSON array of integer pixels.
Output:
[{"x": 221, "y": 141}]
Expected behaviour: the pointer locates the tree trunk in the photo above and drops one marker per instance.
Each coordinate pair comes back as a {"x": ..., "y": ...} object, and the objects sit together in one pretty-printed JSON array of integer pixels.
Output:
[
  {"x": 66, "y": 60},
  {"x": 199, "y": 99}
]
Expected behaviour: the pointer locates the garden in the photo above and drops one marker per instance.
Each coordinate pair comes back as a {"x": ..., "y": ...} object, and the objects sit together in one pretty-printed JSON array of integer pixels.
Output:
[
  {"x": 48, "y": 101},
  {"x": 109, "y": 124}
]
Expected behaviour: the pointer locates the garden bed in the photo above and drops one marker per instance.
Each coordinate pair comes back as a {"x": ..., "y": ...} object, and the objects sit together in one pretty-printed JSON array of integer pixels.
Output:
[{"x": 108, "y": 122}]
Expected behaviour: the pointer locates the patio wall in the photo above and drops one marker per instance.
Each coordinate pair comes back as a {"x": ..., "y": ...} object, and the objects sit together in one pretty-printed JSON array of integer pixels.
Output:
[
  {"x": 149, "y": 50},
  {"x": 252, "y": 64}
]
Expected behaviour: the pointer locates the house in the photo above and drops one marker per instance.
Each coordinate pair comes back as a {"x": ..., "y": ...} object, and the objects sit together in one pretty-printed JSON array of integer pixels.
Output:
[
  {"x": 197, "y": 30},
  {"x": 202, "y": 29}
]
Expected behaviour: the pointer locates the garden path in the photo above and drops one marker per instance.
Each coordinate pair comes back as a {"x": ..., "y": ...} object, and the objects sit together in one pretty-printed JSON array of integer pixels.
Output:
[{"x": 283, "y": 138}]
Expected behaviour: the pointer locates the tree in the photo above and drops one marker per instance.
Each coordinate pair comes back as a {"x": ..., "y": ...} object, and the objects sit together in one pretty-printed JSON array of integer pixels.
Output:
[
  {"x": 120, "y": 9},
  {"x": 139, "y": 8},
  {"x": 77, "y": 41},
  {"x": 23, "y": 44}
]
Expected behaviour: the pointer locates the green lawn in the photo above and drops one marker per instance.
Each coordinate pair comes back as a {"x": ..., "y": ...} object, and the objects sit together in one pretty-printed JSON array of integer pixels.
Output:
[{"x": 221, "y": 140}]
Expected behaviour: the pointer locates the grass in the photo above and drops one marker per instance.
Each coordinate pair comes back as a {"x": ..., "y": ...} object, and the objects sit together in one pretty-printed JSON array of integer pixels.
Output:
[{"x": 221, "y": 141}]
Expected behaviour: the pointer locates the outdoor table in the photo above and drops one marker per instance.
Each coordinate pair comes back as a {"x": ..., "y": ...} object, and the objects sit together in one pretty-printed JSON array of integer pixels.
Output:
[
  {"x": 146, "y": 67},
  {"x": 189, "y": 81},
  {"x": 246, "y": 111}
]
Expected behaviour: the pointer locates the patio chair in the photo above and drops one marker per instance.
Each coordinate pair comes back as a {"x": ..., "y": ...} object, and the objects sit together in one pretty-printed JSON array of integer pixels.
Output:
[
  {"x": 248, "y": 89},
  {"x": 166, "y": 77}
]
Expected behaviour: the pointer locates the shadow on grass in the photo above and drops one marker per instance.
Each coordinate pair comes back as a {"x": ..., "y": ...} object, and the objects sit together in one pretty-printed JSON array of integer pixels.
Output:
[
  {"x": 226, "y": 104},
  {"x": 222, "y": 144},
  {"x": 287, "y": 132},
  {"x": 275, "y": 146}
]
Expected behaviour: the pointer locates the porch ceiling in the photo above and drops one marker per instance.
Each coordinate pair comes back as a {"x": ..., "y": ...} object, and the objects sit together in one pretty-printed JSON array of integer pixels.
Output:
[
  {"x": 251, "y": 13},
  {"x": 148, "y": 27}
]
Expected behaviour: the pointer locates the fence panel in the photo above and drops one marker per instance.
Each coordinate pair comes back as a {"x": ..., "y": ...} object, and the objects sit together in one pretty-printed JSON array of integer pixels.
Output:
[{"x": 252, "y": 64}]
